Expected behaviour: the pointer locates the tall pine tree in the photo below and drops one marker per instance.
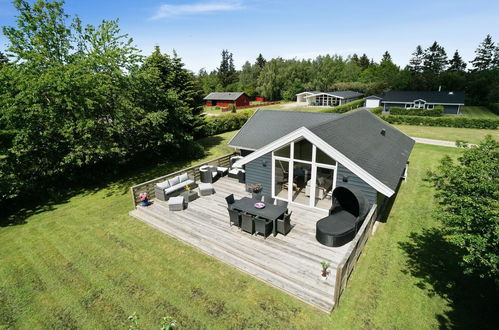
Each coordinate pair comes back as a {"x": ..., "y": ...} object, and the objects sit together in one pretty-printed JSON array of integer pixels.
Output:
[
  {"x": 364, "y": 62},
  {"x": 416, "y": 62},
  {"x": 226, "y": 71},
  {"x": 485, "y": 55},
  {"x": 456, "y": 63},
  {"x": 260, "y": 61},
  {"x": 435, "y": 59}
]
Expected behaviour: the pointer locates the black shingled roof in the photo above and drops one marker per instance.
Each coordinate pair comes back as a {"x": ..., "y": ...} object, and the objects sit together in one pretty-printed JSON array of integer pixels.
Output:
[
  {"x": 266, "y": 126},
  {"x": 226, "y": 96},
  {"x": 428, "y": 96},
  {"x": 357, "y": 135}
]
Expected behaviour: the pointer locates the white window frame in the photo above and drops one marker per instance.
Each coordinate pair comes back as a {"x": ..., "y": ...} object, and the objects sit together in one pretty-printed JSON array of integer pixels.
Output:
[{"x": 314, "y": 164}]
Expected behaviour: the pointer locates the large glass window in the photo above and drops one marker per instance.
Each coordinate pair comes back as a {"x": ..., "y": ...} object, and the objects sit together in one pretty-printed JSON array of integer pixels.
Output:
[
  {"x": 281, "y": 170},
  {"x": 303, "y": 150},
  {"x": 322, "y": 158},
  {"x": 284, "y": 151}
]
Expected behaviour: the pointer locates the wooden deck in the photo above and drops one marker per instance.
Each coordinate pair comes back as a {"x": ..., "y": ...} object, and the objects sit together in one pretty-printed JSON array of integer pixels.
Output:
[{"x": 290, "y": 263}]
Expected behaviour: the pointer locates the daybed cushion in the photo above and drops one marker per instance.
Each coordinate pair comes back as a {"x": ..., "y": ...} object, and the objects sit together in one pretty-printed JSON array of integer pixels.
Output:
[
  {"x": 174, "y": 181},
  {"x": 183, "y": 177},
  {"x": 163, "y": 185}
]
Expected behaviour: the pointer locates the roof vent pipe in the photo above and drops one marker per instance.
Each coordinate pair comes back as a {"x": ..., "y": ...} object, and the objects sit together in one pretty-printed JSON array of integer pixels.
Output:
[{"x": 383, "y": 132}]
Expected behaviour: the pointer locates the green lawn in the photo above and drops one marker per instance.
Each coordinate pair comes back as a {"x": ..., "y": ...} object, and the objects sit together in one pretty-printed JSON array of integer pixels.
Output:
[
  {"x": 84, "y": 263},
  {"x": 477, "y": 112},
  {"x": 471, "y": 135}
]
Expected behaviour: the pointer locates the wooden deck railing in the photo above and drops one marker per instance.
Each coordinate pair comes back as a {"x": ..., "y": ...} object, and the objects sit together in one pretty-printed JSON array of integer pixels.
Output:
[
  {"x": 148, "y": 186},
  {"x": 346, "y": 266}
]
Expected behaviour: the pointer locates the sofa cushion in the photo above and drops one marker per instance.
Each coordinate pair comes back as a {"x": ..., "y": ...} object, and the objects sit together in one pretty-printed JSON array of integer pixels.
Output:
[
  {"x": 184, "y": 177},
  {"x": 188, "y": 182},
  {"x": 174, "y": 181},
  {"x": 170, "y": 190},
  {"x": 163, "y": 185}
]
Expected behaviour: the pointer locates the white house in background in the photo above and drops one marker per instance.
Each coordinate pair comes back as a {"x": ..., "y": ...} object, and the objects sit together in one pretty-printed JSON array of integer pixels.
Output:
[{"x": 327, "y": 99}]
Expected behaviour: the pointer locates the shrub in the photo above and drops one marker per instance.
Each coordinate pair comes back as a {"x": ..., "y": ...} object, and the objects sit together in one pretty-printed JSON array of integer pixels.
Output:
[
  {"x": 444, "y": 121},
  {"x": 435, "y": 112},
  {"x": 346, "y": 107},
  {"x": 6, "y": 137},
  {"x": 377, "y": 111},
  {"x": 223, "y": 123}
]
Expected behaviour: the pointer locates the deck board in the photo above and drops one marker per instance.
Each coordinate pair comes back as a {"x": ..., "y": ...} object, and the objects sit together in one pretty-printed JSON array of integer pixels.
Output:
[{"x": 290, "y": 263}]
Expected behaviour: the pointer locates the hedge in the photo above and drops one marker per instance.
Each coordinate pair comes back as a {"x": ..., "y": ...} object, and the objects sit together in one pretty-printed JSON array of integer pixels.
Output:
[
  {"x": 377, "y": 111},
  {"x": 345, "y": 107},
  {"x": 437, "y": 111},
  {"x": 224, "y": 123},
  {"x": 445, "y": 121}
]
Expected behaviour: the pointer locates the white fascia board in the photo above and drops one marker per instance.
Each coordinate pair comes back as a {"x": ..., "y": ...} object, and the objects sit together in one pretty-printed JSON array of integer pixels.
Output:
[
  {"x": 338, "y": 97},
  {"x": 303, "y": 93},
  {"x": 303, "y": 132}
]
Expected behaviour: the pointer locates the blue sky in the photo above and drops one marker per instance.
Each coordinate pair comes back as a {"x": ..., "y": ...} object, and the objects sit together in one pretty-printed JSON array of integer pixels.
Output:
[{"x": 199, "y": 29}]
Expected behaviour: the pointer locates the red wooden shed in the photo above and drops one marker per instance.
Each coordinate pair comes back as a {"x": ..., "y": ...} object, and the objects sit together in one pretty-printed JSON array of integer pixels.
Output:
[{"x": 226, "y": 98}]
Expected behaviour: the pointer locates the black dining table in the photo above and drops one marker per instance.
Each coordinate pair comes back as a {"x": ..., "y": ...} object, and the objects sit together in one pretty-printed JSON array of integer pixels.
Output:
[{"x": 270, "y": 211}]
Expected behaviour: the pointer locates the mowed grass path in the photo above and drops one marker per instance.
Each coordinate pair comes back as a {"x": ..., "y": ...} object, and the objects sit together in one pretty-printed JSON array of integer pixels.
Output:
[
  {"x": 471, "y": 135},
  {"x": 477, "y": 112},
  {"x": 84, "y": 263}
]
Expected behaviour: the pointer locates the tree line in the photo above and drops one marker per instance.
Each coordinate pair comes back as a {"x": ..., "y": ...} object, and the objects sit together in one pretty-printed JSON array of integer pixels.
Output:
[
  {"x": 429, "y": 68},
  {"x": 78, "y": 98}
]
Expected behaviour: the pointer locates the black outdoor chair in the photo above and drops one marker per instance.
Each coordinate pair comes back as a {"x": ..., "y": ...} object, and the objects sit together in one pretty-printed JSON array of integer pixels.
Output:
[
  {"x": 284, "y": 225},
  {"x": 263, "y": 226},
  {"x": 230, "y": 201},
  {"x": 345, "y": 217},
  {"x": 268, "y": 200},
  {"x": 235, "y": 217},
  {"x": 247, "y": 223},
  {"x": 256, "y": 196}
]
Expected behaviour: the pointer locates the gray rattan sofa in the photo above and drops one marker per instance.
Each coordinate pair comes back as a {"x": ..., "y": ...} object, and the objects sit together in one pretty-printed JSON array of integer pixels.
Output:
[{"x": 174, "y": 186}]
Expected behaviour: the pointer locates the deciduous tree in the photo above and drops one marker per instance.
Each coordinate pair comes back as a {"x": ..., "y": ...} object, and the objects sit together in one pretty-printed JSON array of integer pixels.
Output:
[{"x": 468, "y": 194}]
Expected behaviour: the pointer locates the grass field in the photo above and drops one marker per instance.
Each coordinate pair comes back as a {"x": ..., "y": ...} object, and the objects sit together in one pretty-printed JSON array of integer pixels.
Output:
[
  {"x": 477, "y": 112},
  {"x": 470, "y": 135},
  {"x": 84, "y": 263}
]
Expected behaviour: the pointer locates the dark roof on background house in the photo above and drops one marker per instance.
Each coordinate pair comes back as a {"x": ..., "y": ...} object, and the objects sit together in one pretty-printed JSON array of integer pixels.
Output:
[
  {"x": 357, "y": 135},
  {"x": 228, "y": 96},
  {"x": 428, "y": 96},
  {"x": 343, "y": 94},
  {"x": 266, "y": 126}
]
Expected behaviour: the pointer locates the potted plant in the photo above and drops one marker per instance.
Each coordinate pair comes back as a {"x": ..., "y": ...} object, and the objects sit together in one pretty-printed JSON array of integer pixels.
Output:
[
  {"x": 187, "y": 188},
  {"x": 325, "y": 265},
  {"x": 256, "y": 188},
  {"x": 144, "y": 200}
]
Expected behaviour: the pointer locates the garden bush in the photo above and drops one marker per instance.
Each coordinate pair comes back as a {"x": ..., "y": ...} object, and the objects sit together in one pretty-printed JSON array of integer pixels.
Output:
[
  {"x": 444, "y": 121},
  {"x": 223, "y": 123},
  {"x": 437, "y": 111},
  {"x": 377, "y": 111},
  {"x": 346, "y": 107}
]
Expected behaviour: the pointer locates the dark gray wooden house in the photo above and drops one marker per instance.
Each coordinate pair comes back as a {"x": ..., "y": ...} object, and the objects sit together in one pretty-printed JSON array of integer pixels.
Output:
[
  {"x": 451, "y": 101},
  {"x": 301, "y": 157}
]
